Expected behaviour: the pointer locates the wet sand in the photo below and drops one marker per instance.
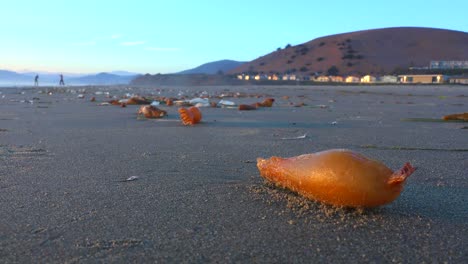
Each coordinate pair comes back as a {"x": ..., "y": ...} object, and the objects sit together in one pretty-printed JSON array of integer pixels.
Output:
[{"x": 199, "y": 196}]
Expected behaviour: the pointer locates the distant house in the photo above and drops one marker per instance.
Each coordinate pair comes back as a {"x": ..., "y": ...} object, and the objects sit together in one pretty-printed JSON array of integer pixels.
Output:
[
  {"x": 459, "y": 79},
  {"x": 421, "y": 78},
  {"x": 259, "y": 77},
  {"x": 273, "y": 77},
  {"x": 388, "y": 79},
  {"x": 368, "y": 79},
  {"x": 352, "y": 79},
  {"x": 289, "y": 77},
  {"x": 322, "y": 79},
  {"x": 335, "y": 78}
]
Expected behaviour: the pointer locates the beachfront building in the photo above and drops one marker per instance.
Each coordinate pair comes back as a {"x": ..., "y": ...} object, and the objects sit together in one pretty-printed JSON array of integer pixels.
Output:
[
  {"x": 421, "y": 78},
  {"x": 459, "y": 80},
  {"x": 259, "y": 77},
  {"x": 352, "y": 79},
  {"x": 322, "y": 79},
  {"x": 289, "y": 77},
  {"x": 388, "y": 79},
  {"x": 273, "y": 77},
  {"x": 368, "y": 79},
  {"x": 335, "y": 78}
]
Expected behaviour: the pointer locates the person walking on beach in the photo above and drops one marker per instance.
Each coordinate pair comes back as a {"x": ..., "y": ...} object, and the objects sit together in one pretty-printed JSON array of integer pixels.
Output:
[
  {"x": 36, "y": 80},
  {"x": 61, "y": 80}
]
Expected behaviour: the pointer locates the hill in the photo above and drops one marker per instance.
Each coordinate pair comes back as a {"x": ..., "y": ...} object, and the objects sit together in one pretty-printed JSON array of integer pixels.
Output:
[
  {"x": 185, "y": 79},
  {"x": 102, "y": 78},
  {"x": 14, "y": 77},
  {"x": 376, "y": 51},
  {"x": 214, "y": 67}
]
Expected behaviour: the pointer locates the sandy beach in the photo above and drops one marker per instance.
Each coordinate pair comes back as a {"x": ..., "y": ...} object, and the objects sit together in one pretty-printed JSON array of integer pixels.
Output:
[{"x": 199, "y": 197}]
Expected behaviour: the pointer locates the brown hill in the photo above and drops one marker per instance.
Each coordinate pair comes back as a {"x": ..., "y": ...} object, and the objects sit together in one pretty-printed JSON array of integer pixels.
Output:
[{"x": 377, "y": 51}]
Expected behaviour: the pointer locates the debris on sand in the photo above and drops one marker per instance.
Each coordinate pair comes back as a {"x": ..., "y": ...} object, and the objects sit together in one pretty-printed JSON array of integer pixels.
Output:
[
  {"x": 246, "y": 107},
  {"x": 301, "y": 104},
  {"x": 199, "y": 102},
  {"x": 266, "y": 103},
  {"x": 169, "y": 102},
  {"x": 293, "y": 138},
  {"x": 337, "y": 177},
  {"x": 131, "y": 178},
  {"x": 114, "y": 102},
  {"x": 462, "y": 117},
  {"x": 223, "y": 103},
  {"x": 137, "y": 100},
  {"x": 190, "y": 116},
  {"x": 150, "y": 111}
]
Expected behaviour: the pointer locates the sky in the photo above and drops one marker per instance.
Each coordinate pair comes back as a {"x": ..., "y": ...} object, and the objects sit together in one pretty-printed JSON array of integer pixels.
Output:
[{"x": 90, "y": 36}]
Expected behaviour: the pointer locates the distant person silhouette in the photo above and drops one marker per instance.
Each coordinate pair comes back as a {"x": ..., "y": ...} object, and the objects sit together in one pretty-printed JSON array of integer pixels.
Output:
[
  {"x": 61, "y": 80},
  {"x": 36, "y": 80}
]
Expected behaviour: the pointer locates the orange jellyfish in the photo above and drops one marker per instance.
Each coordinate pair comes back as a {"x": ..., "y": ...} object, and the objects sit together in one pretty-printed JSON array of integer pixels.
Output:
[
  {"x": 267, "y": 102},
  {"x": 462, "y": 117},
  {"x": 169, "y": 102},
  {"x": 114, "y": 102},
  {"x": 137, "y": 100},
  {"x": 244, "y": 107},
  {"x": 190, "y": 116},
  {"x": 150, "y": 111},
  {"x": 337, "y": 177}
]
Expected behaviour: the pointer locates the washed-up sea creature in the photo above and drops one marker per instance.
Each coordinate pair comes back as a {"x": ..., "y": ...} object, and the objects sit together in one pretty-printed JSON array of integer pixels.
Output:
[
  {"x": 114, "y": 102},
  {"x": 169, "y": 102},
  {"x": 244, "y": 107},
  {"x": 150, "y": 111},
  {"x": 190, "y": 116},
  {"x": 266, "y": 103},
  {"x": 338, "y": 177},
  {"x": 462, "y": 116},
  {"x": 137, "y": 100}
]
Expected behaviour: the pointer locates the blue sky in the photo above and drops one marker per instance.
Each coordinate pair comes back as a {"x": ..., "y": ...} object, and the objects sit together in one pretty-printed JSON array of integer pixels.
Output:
[{"x": 88, "y": 36}]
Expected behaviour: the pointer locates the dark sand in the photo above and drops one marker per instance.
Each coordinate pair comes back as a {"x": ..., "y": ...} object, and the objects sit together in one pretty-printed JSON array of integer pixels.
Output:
[{"x": 199, "y": 196}]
